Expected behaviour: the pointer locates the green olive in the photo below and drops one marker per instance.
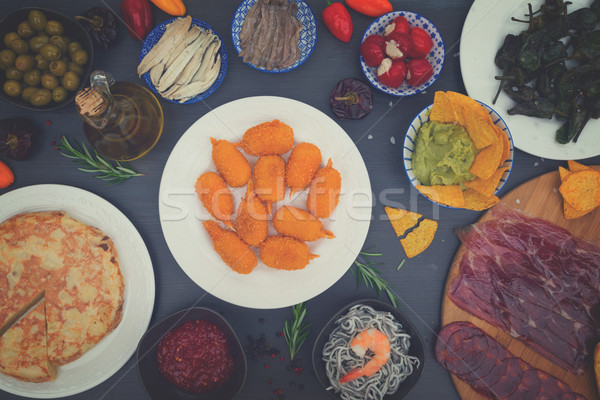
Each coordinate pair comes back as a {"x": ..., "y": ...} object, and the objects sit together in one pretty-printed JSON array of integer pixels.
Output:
[
  {"x": 54, "y": 28},
  {"x": 24, "y": 62},
  {"x": 7, "y": 58},
  {"x": 80, "y": 57},
  {"x": 70, "y": 80},
  {"x": 9, "y": 37},
  {"x": 49, "y": 81},
  {"x": 20, "y": 46},
  {"x": 59, "y": 94},
  {"x": 36, "y": 42},
  {"x": 58, "y": 68},
  {"x": 33, "y": 77},
  {"x": 41, "y": 63},
  {"x": 73, "y": 47},
  {"x": 12, "y": 88},
  {"x": 25, "y": 30},
  {"x": 78, "y": 69},
  {"x": 50, "y": 52},
  {"x": 40, "y": 97},
  {"x": 13, "y": 73},
  {"x": 37, "y": 20},
  {"x": 62, "y": 42},
  {"x": 27, "y": 92}
]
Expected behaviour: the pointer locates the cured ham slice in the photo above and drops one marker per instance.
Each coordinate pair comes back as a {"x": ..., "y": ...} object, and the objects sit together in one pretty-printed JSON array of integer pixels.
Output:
[
  {"x": 476, "y": 358},
  {"x": 535, "y": 281}
]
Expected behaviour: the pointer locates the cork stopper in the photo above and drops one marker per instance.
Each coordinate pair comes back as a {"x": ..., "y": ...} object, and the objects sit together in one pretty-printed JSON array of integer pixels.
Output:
[{"x": 90, "y": 102}]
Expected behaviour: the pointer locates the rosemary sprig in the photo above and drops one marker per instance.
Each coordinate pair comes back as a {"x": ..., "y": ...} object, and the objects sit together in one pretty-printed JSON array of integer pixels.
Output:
[
  {"x": 295, "y": 332},
  {"x": 367, "y": 273},
  {"x": 95, "y": 164}
]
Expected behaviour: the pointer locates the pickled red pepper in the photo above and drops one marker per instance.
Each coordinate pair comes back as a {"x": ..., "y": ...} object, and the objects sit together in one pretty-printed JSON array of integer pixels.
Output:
[
  {"x": 372, "y": 8},
  {"x": 137, "y": 15}
]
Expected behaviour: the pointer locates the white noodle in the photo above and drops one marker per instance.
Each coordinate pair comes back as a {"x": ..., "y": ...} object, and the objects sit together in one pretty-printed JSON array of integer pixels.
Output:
[{"x": 340, "y": 359}]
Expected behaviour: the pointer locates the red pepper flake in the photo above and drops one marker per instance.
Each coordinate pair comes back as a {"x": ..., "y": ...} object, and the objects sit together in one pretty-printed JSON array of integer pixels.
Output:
[
  {"x": 281, "y": 358},
  {"x": 272, "y": 355},
  {"x": 48, "y": 122},
  {"x": 267, "y": 366},
  {"x": 270, "y": 381}
]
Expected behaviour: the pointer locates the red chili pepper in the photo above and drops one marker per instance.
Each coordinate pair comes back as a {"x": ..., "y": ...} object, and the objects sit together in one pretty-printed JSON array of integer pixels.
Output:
[
  {"x": 422, "y": 43},
  {"x": 6, "y": 176},
  {"x": 137, "y": 15},
  {"x": 372, "y": 8},
  {"x": 419, "y": 71},
  {"x": 337, "y": 19}
]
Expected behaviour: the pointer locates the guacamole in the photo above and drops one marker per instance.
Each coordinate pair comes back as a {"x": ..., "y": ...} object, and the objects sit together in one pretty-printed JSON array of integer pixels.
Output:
[{"x": 443, "y": 154}]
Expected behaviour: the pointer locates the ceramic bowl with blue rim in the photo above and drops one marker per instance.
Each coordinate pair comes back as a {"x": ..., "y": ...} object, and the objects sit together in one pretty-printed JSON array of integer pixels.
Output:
[
  {"x": 411, "y": 139},
  {"x": 308, "y": 35},
  {"x": 435, "y": 57},
  {"x": 153, "y": 38}
]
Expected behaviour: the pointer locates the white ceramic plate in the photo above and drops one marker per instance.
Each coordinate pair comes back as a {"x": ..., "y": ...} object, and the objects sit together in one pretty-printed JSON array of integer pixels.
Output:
[
  {"x": 486, "y": 25},
  {"x": 112, "y": 352},
  {"x": 181, "y": 212}
]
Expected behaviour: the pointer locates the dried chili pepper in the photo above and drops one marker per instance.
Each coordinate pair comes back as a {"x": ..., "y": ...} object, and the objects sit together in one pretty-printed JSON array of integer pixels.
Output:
[
  {"x": 372, "y": 8},
  {"x": 173, "y": 7},
  {"x": 102, "y": 25},
  {"x": 422, "y": 43},
  {"x": 137, "y": 15},
  {"x": 337, "y": 19},
  {"x": 351, "y": 99},
  {"x": 419, "y": 71},
  {"x": 6, "y": 176},
  {"x": 15, "y": 137}
]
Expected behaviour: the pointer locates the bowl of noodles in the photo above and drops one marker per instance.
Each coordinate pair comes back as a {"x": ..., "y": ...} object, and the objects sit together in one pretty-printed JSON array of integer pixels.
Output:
[{"x": 367, "y": 326}]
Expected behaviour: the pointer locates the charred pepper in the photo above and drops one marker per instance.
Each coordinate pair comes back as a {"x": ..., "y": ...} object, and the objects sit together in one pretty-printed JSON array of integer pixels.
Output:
[
  {"x": 351, "y": 99},
  {"x": 337, "y": 19},
  {"x": 102, "y": 25},
  {"x": 372, "y": 8},
  {"x": 137, "y": 15},
  {"x": 15, "y": 137}
]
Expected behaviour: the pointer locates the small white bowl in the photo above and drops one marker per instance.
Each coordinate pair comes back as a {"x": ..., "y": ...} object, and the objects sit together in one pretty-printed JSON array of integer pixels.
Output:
[
  {"x": 435, "y": 57},
  {"x": 411, "y": 138}
]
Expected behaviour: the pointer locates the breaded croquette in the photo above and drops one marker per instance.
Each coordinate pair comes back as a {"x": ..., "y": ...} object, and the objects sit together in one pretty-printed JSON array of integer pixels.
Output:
[
  {"x": 272, "y": 137},
  {"x": 304, "y": 161},
  {"x": 215, "y": 196},
  {"x": 269, "y": 179},
  {"x": 233, "y": 251},
  {"x": 231, "y": 163},
  {"x": 300, "y": 224},
  {"x": 324, "y": 193},
  {"x": 252, "y": 221},
  {"x": 283, "y": 252}
]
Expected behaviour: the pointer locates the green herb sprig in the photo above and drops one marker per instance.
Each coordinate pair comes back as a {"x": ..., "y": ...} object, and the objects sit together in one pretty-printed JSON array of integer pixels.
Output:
[
  {"x": 367, "y": 273},
  {"x": 295, "y": 332},
  {"x": 113, "y": 174}
]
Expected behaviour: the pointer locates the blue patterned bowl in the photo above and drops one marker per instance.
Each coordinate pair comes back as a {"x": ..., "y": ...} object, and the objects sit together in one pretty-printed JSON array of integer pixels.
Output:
[
  {"x": 308, "y": 35},
  {"x": 411, "y": 138},
  {"x": 435, "y": 56},
  {"x": 155, "y": 35}
]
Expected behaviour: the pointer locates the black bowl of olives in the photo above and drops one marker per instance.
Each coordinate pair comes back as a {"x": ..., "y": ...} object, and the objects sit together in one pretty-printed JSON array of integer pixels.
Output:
[{"x": 45, "y": 58}]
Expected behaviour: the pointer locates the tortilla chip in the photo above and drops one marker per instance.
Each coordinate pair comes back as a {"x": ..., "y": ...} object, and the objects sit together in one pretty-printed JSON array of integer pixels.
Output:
[
  {"x": 456, "y": 100},
  {"x": 505, "y": 145},
  {"x": 487, "y": 160},
  {"x": 475, "y": 119},
  {"x": 478, "y": 202},
  {"x": 574, "y": 166},
  {"x": 563, "y": 172},
  {"x": 442, "y": 110},
  {"x": 571, "y": 213},
  {"x": 486, "y": 187},
  {"x": 581, "y": 190},
  {"x": 420, "y": 238},
  {"x": 402, "y": 220},
  {"x": 450, "y": 195}
]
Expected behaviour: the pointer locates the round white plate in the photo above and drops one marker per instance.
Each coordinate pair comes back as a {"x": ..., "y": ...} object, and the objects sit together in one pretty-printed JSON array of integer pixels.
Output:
[
  {"x": 181, "y": 212},
  {"x": 486, "y": 25},
  {"x": 112, "y": 352}
]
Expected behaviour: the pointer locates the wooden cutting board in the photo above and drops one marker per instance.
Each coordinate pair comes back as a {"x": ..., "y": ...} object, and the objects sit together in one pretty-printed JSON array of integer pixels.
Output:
[{"x": 538, "y": 197}]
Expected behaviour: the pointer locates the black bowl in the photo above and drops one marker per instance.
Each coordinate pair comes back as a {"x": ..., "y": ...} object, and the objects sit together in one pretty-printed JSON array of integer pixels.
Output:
[
  {"x": 416, "y": 348},
  {"x": 72, "y": 29},
  {"x": 155, "y": 384}
]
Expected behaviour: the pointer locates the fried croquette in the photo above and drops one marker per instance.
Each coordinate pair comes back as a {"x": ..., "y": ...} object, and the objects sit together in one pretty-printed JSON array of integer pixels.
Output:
[
  {"x": 300, "y": 224},
  {"x": 252, "y": 221},
  {"x": 283, "y": 252},
  {"x": 324, "y": 192},
  {"x": 269, "y": 179},
  {"x": 272, "y": 137},
  {"x": 233, "y": 251},
  {"x": 231, "y": 163},
  {"x": 215, "y": 196},
  {"x": 304, "y": 161}
]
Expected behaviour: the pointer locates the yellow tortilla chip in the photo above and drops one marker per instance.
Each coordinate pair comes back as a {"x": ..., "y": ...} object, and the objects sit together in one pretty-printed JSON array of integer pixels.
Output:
[
  {"x": 478, "y": 202},
  {"x": 486, "y": 187},
  {"x": 505, "y": 145},
  {"x": 456, "y": 100},
  {"x": 581, "y": 189},
  {"x": 402, "y": 220},
  {"x": 571, "y": 212},
  {"x": 563, "y": 172},
  {"x": 450, "y": 195},
  {"x": 487, "y": 160},
  {"x": 475, "y": 119},
  {"x": 420, "y": 238},
  {"x": 442, "y": 110},
  {"x": 574, "y": 166}
]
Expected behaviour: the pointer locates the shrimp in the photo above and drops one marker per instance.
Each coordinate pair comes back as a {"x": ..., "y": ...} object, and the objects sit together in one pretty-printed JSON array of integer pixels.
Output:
[
  {"x": 370, "y": 339},
  {"x": 269, "y": 179},
  {"x": 299, "y": 224},
  {"x": 304, "y": 161},
  {"x": 216, "y": 197},
  {"x": 233, "y": 251},
  {"x": 283, "y": 252},
  {"x": 272, "y": 137},
  {"x": 324, "y": 193},
  {"x": 231, "y": 163},
  {"x": 252, "y": 221}
]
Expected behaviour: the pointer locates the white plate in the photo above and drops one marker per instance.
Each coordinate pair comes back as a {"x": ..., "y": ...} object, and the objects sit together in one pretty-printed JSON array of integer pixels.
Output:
[
  {"x": 112, "y": 352},
  {"x": 486, "y": 25},
  {"x": 181, "y": 213}
]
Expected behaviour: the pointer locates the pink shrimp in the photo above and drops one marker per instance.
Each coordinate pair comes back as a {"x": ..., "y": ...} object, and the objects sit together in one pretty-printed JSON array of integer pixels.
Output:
[{"x": 369, "y": 339}]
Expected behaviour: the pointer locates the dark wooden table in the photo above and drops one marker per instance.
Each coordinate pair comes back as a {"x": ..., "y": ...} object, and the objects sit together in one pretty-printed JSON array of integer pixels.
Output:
[{"x": 419, "y": 283}]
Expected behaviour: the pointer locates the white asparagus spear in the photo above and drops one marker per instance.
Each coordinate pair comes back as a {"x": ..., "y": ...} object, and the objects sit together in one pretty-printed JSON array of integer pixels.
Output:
[{"x": 161, "y": 50}]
